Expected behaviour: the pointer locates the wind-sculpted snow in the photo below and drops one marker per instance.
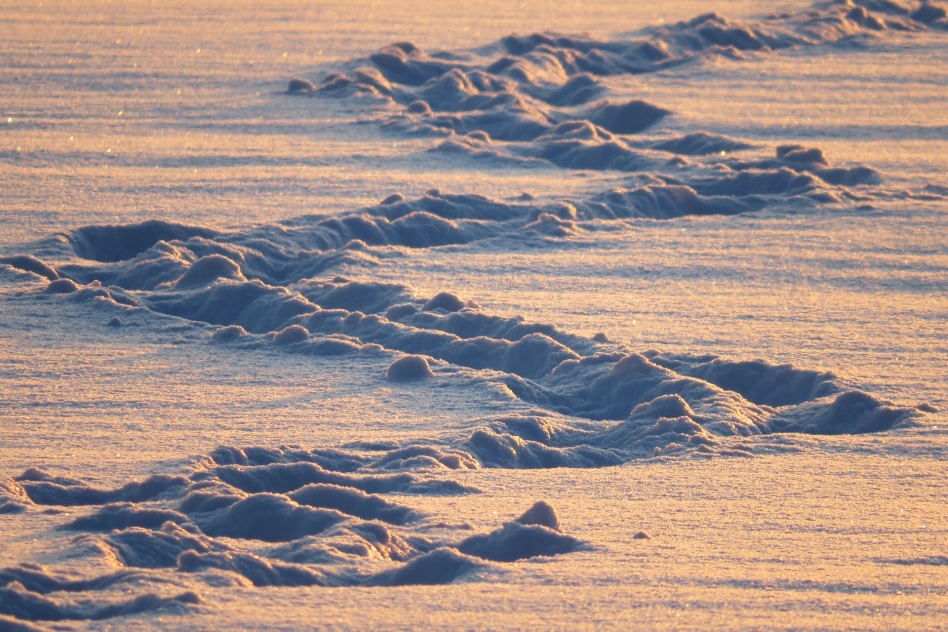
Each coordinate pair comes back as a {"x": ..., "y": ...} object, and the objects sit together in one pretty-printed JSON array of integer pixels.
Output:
[
  {"x": 547, "y": 97},
  {"x": 256, "y": 289},
  {"x": 385, "y": 512},
  {"x": 36, "y": 579},
  {"x": 237, "y": 278},
  {"x": 21, "y": 603},
  {"x": 536, "y": 532},
  {"x": 225, "y": 526},
  {"x": 40, "y": 487},
  {"x": 157, "y": 548},
  {"x": 342, "y": 515}
]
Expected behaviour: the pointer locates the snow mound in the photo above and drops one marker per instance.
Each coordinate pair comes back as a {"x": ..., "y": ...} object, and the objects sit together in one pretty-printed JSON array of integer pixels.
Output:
[
  {"x": 410, "y": 367},
  {"x": 514, "y": 542}
]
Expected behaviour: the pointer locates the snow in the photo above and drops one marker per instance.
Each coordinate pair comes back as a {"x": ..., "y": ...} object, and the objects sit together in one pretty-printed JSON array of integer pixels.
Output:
[{"x": 488, "y": 315}]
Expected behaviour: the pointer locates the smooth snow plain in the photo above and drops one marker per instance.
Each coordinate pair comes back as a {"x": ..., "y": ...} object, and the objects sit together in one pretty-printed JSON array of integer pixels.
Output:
[{"x": 473, "y": 315}]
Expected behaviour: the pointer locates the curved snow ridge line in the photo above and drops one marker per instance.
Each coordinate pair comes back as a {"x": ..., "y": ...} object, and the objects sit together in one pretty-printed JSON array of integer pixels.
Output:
[
  {"x": 531, "y": 125},
  {"x": 796, "y": 171},
  {"x": 320, "y": 533},
  {"x": 423, "y": 560},
  {"x": 664, "y": 424},
  {"x": 539, "y": 65},
  {"x": 351, "y": 554},
  {"x": 526, "y": 89},
  {"x": 22, "y": 604},
  {"x": 165, "y": 254},
  {"x": 556, "y": 371},
  {"x": 535, "y": 363},
  {"x": 351, "y": 492}
]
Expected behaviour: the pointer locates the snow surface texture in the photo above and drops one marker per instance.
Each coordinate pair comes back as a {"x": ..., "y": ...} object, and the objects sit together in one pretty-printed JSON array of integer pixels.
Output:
[
  {"x": 259, "y": 289},
  {"x": 340, "y": 515},
  {"x": 261, "y": 517},
  {"x": 539, "y": 97},
  {"x": 324, "y": 511}
]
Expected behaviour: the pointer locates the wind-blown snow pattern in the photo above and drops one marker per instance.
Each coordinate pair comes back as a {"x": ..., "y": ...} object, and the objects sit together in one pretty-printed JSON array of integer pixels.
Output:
[
  {"x": 263, "y": 517},
  {"x": 345, "y": 515},
  {"x": 264, "y": 288},
  {"x": 332, "y": 515},
  {"x": 541, "y": 97}
]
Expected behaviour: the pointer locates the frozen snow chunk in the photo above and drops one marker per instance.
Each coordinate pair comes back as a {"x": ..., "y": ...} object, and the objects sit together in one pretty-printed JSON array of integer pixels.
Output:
[
  {"x": 633, "y": 363},
  {"x": 853, "y": 412},
  {"x": 371, "y": 80},
  {"x": 231, "y": 332},
  {"x": 394, "y": 198},
  {"x": 253, "y": 305},
  {"x": 799, "y": 153},
  {"x": 577, "y": 90},
  {"x": 629, "y": 118},
  {"x": 446, "y": 301},
  {"x": 404, "y": 63},
  {"x": 336, "y": 344},
  {"x": 552, "y": 226},
  {"x": 424, "y": 456},
  {"x": 419, "y": 107},
  {"x": 201, "y": 501},
  {"x": 397, "y": 312},
  {"x": 366, "y": 297},
  {"x": 286, "y": 477},
  {"x": 37, "y": 579},
  {"x": 368, "y": 540},
  {"x": 506, "y": 450},
  {"x": 300, "y": 86},
  {"x": 541, "y": 513},
  {"x": 763, "y": 383},
  {"x": 291, "y": 335},
  {"x": 409, "y": 367},
  {"x": 747, "y": 183},
  {"x": 515, "y": 541},
  {"x": 384, "y": 541},
  {"x": 841, "y": 176},
  {"x": 665, "y": 406},
  {"x": 208, "y": 269},
  {"x": 862, "y": 17},
  {"x": 62, "y": 286}
]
